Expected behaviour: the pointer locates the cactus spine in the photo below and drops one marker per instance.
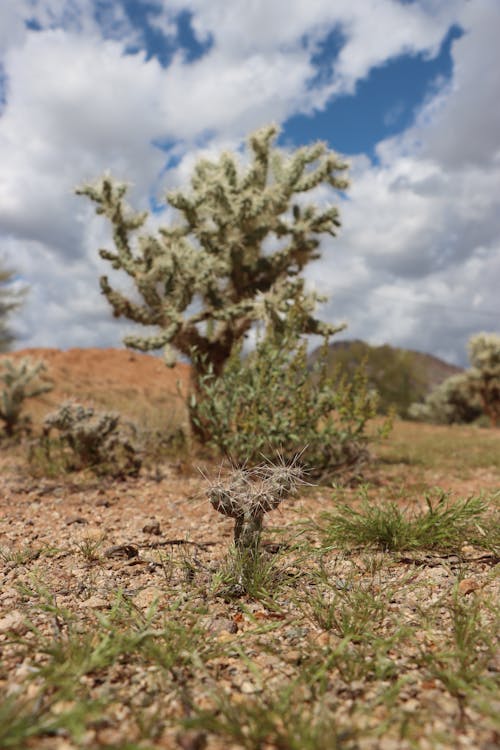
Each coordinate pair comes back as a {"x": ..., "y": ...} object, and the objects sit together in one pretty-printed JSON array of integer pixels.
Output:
[{"x": 20, "y": 381}]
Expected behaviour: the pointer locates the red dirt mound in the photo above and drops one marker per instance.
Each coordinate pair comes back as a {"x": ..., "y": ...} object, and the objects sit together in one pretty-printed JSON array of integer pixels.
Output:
[{"x": 133, "y": 383}]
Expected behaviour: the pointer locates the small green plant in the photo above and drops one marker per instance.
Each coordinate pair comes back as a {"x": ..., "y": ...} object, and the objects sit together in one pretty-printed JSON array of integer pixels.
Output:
[
  {"x": 89, "y": 439},
  {"x": 243, "y": 572},
  {"x": 443, "y": 525},
  {"x": 20, "y": 556},
  {"x": 272, "y": 720},
  {"x": 471, "y": 642},
  {"x": 349, "y": 610},
  {"x": 89, "y": 547},
  {"x": 272, "y": 401},
  {"x": 21, "y": 379}
]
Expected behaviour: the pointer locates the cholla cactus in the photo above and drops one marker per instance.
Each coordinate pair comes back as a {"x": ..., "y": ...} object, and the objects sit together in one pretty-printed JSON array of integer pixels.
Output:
[
  {"x": 219, "y": 254},
  {"x": 21, "y": 380},
  {"x": 484, "y": 375},
  {"x": 464, "y": 397},
  {"x": 250, "y": 493},
  {"x": 97, "y": 440},
  {"x": 450, "y": 402},
  {"x": 10, "y": 300}
]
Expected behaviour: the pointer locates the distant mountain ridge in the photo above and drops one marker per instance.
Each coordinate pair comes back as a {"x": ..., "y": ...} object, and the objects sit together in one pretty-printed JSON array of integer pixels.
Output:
[{"x": 401, "y": 376}]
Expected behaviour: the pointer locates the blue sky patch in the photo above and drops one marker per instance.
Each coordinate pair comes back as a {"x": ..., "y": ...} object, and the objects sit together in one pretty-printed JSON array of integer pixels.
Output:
[{"x": 383, "y": 105}]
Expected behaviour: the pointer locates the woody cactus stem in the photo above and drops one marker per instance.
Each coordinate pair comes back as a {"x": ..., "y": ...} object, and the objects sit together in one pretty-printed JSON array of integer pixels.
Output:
[{"x": 250, "y": 493}]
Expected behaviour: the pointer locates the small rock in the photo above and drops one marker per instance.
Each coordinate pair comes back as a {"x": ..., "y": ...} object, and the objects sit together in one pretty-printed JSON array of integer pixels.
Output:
[
  {"x": 95, "y": 602},
  {"x": 222, "y": 625},
  {"x": 192, "y": 740},
  {"x": 152, "y": 528},
  {"x": 122, "y": 551},
  {"x": 295, "y": 633},
  {"x": 103, "y": 502},
  {"x": 494, "y": 664},
  {"x": 248, "y": 688},
  {"x": 146, "y": 597},
  {"x": 411, "y": 705},
  {"x": 294, "y": 656},
  {"x": 323, "y": 639},
  {"x": 13, "y": 623},
  {"x": 75, "y": 519},
  {"x": 467, "y": 586}
]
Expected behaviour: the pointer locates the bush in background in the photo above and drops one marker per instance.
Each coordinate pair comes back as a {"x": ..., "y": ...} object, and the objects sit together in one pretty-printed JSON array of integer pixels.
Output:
[
  {"x": 19, "y": 380},
  {"x": 466, "y": 397},
  {"x": 85, "y": 439}
]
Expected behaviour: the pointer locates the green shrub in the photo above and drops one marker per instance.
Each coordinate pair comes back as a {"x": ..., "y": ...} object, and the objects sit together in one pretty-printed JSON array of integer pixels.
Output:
[{"x": 269, "y": 402}]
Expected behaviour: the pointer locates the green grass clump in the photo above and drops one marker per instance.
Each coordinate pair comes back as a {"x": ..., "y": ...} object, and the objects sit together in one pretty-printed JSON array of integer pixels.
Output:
[
  {"x": 271, "y": 720},
  {"x": 253, "y": 573},
  {"x": 442, "y": 526}
]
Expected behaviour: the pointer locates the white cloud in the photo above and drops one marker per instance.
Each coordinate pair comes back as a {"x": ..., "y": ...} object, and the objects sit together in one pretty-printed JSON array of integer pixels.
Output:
[
  {"x": 420, "y": 243},
  {"x": 374, "y": 32},
  {"x": 420, "y": 250}
]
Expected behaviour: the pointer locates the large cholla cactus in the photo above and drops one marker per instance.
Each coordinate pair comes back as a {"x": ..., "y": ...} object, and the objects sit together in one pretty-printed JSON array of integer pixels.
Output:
[
  {"x": 219, "y": 255},
  {"x": 248, "y": 494},
  {"x": 19, "y": 380}
]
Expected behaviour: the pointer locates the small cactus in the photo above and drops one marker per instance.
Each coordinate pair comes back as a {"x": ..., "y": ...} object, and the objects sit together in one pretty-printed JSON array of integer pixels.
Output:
[
  {"x": 21, "y": 380},
  {"x": 250, "y": 493},
  {"x": 96, "y": 439}
]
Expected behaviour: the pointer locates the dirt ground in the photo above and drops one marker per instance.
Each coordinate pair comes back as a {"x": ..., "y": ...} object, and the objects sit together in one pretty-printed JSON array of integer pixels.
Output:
[{"x": 157, "y": 541}]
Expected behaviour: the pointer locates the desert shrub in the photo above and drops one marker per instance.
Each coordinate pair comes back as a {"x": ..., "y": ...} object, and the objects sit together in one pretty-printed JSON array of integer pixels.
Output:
[
  {"x": 19, "y": 381},
  {"x": 77, "y": 437},
  {"x": 451, "y": 402},
  {"x": 270, "y": 402}
]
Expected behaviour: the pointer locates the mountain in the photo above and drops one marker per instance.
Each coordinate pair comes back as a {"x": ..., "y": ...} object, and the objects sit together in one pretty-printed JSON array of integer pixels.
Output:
[{"x": 401, "y": 376}]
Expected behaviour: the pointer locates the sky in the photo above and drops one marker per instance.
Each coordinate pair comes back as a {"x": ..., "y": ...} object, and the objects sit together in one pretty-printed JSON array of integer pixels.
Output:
[{"x": 407, "y": 91}]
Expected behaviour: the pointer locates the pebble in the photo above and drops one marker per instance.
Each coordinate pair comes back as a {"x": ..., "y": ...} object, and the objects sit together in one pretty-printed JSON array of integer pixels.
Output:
[
  {"x": 13, "y": 623},
  {"x": 75, "y": 519},
  {"x": 145, "y": 598},
  {"x": 248, "y": 688},
  {"x": 152, "y": 528},
  {"x": 222, "y": 625},
  {"x": 122, "y": 551},
  {"x": 95, "y": 602},
  {"x": 467, "y": 586}
]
